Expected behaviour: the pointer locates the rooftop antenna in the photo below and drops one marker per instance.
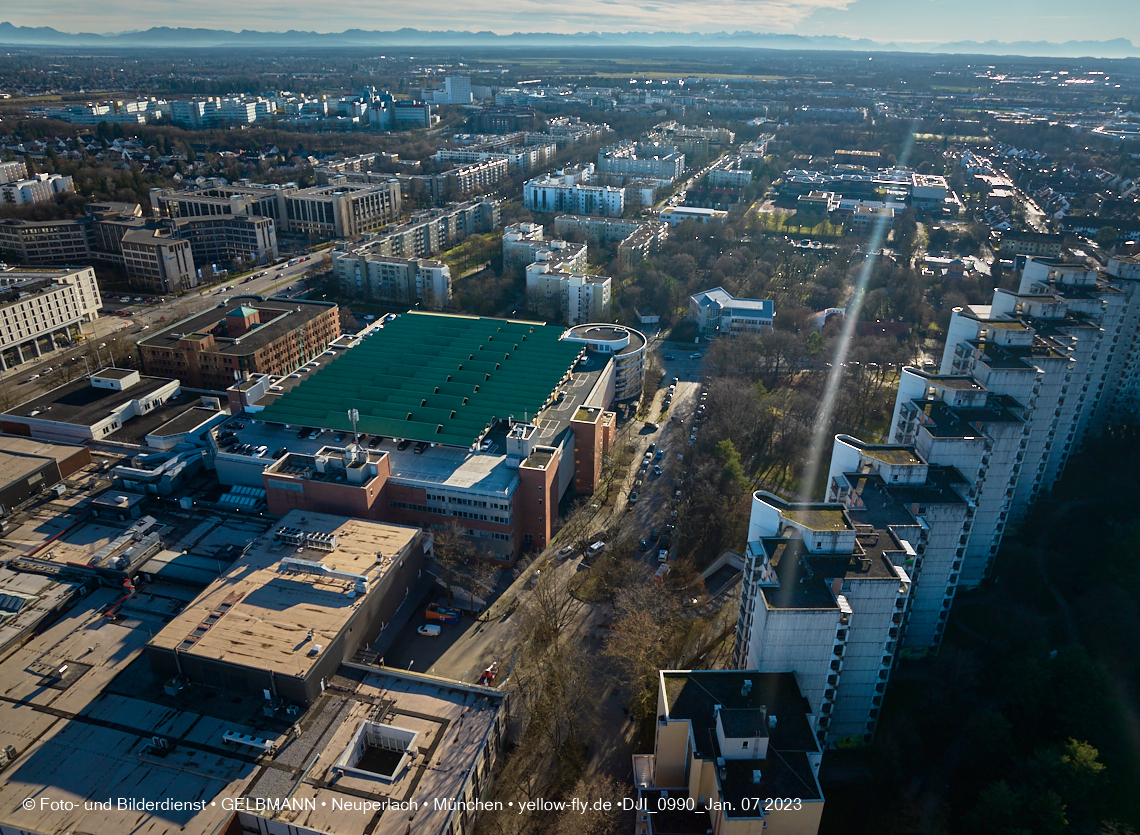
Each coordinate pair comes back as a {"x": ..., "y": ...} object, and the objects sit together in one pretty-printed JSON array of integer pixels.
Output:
[{"x": 354, "y": 416}]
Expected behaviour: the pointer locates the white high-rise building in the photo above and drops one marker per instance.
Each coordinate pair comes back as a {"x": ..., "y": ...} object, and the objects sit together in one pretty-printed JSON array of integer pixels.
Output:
[
  {"x": 1024, "y": 381},
  {"x": 458, "y": 89},
  {"x": 824, "y": 596}
]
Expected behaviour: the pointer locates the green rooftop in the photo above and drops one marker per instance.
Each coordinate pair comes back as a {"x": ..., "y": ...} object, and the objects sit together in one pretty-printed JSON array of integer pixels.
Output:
[
  {"x": 816, "y": 518},
  {"x": 433, "y": 377}
]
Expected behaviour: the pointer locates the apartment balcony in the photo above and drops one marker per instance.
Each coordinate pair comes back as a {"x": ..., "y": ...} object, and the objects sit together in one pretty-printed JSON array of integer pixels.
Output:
[{"x": 643, "y": 768}]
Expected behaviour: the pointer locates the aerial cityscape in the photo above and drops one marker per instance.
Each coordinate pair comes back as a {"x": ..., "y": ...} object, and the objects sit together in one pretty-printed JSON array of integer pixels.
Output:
[{"x": 662, "y": 420}]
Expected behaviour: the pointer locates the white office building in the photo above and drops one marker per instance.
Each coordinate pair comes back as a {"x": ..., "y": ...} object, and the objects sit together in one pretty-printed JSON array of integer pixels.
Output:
[
  {"x": 718, "y": 313},
  {"x": 458, "y": 89},
  {"x": 44, "y": 309}
]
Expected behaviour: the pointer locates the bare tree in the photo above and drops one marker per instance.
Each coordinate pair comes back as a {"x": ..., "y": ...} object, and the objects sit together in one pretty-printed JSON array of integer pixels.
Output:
[
  {"x": 452, "y": 549},
  {"x": 597, "y": 793}
]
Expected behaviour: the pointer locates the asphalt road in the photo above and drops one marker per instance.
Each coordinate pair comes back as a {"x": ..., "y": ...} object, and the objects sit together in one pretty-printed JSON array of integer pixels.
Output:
[
  {"x": 141, "y": 318},
  {"x": 464, "y": 650}
]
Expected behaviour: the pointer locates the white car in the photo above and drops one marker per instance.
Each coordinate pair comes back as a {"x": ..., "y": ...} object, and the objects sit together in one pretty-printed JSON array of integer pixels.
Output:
[
  {"x": 694, "y": 356},
  {"x": 429, "y": 630}
]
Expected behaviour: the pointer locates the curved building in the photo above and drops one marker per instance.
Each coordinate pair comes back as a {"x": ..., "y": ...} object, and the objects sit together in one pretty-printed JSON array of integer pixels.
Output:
[{"x": 628, "y": 348}]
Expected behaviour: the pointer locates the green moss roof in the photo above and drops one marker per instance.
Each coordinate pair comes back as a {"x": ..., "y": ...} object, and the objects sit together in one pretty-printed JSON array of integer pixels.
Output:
[{"x": 436, "y": 378}]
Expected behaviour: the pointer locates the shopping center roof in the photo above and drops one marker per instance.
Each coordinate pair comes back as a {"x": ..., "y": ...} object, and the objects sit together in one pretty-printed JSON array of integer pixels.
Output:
[{"x": 431, "y": 377}]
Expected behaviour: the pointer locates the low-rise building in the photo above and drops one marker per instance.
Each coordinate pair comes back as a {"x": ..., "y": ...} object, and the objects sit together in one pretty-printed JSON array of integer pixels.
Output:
[
  {"x": 28, "y": 467},
  {"x": 676, "y": 215},
  {"x": 296, "y": 606},
  {"x": 864, "y": 220},
  {"x": 718, "y": 313},
  {"x": 90, "y": 408},
  {"x": 1034, "y": 244},
  {"x": 246, "y": 335}
]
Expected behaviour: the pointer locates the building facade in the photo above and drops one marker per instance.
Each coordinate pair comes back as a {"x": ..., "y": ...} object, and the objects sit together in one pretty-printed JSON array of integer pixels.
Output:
[
  {"x": 570, "y": 191},
  {"x": 1024, "y": 382},
  {"x": 396, "y": 281},
  {"x": 41, "y": 310},
  {"x": 250, "y": 335},
  {"x": 38, "y": 189},
  {"x": 825, "y": 598},
  {"x": 635, "y": 159},
  {"x": 718, "y": 313},
  {"x": 158, "y": 261}
]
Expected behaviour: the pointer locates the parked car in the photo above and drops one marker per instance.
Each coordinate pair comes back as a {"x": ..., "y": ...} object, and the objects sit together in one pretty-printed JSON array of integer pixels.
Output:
[
  {"x": 375, "y": 442},
  {"x": 663, "y": 555},
  {"x": 643, "y": 545},
  {"x": 420, "y": 447},
  {"x": 657, "y": 469},
  {"x": 633, "y": 497},
  {"x": 404, "y": 444},
  {"x": 429, "y": 630},
  {"x": 596, "y": 548},
  {"x": 441, "y": 614},
  {"x": 694, "y": 356}
]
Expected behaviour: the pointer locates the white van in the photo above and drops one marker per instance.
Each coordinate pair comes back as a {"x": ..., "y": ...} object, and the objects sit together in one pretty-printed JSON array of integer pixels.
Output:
[
  {"x": 596, "y": 548},
  {"x": 429, "y": 630}
]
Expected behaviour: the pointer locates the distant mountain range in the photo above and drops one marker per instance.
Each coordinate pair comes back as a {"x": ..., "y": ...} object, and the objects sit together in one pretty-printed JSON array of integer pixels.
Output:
[{"x": 163, "y": 36}]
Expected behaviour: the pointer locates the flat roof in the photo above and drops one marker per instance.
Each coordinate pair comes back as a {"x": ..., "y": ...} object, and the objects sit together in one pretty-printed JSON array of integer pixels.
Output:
[
  {"x": 278, "y": 318},
  {"x": 81, "y": 404},
  {"x": 694, "y": 696},
  {"x": 454, "y": 724},
  {"x": 257, "y": 617},
  {"x": 136, "y": 430},
  {"x": 438, "y": 378},
  {"x": 820, "y": 518},
  {"x": 21, "y": 445},
  {"x": 15, "y": 467}
]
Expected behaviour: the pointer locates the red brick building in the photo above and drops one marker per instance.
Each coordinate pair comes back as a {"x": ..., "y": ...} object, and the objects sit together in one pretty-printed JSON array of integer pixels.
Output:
[{"x": 248, "y": 335}]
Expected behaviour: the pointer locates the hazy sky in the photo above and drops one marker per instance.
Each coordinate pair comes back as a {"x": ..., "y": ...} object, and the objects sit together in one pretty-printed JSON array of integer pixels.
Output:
[{"x": 881, "y": 20}]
